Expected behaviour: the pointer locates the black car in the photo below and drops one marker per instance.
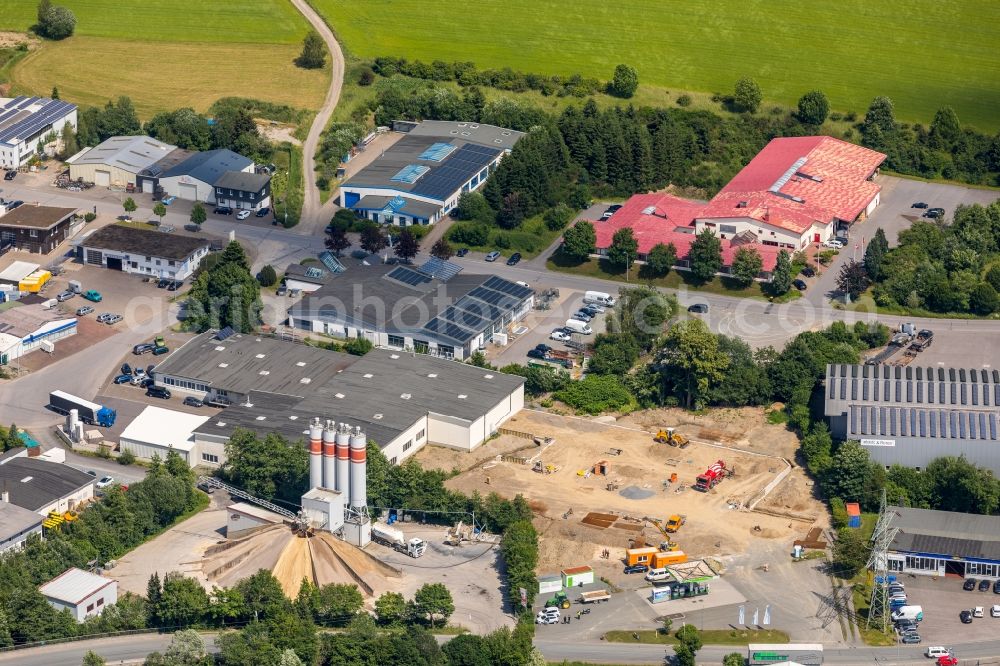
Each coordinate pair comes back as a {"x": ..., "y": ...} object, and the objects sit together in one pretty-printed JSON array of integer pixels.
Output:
[
  {"x": 514, "y": 258},
  {"x": 158, "y": 392},
  {"x": 175, "y": 285},
  {"x": 984, "y": 585},
  {"x": 126, "y": 369},
  {"x": 969, "y": 585},
  {"x": 192, "y": 227},
  {"x": 698, "y": 308},
  {"x": 996, "y": 587},
  {"x": 808, "y": 271},
  {"x": 545, "y": 348},
  {"x": 223, "y": 210},
  {"x": 905, "y": 626},
  {"x": 536, "y": 353},
  {"x": 9, "y": 175},
  {"x": 965, "y": 616},
  {"x": 146, "y": 383},
  {"x": 919, "y": 204},
  {"x": 191, "y": 401},
  {"x": 799, "y": 284},
  {"x": 263, "y": 212},
  {"x": 162, "y": 282},
  {"x": 14, "y": 204},
  {"x": 934, "y": 213},
  {"x": 143, "y": 348},
  {"x": 462, "y": 251},
  {"x": 636, "y": 568}
]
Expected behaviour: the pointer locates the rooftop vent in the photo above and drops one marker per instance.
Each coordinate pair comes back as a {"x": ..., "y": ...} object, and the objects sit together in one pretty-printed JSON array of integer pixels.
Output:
[
  {"x": 260, "y": 355},
  {"x": 368, "y": 375},
  {"x": 305, "y": 380},
  {"x": 462, "y": 124},
  {"x": 505, "y": 133},
  {"x": 339, "y": 396},
  {"x": 462, "y": 396},
  {"x": 378, "y": 417},
  {"x": 488, "y": 376},
  {"x": 264, "y": 372},
  {"x": 221, "y": 424},
  {"x": 26, "y": 479},
  {"x": 742, "y": 204},
  {"x": 405, "y": 396},
  {"x": 293, "y": 417},
  {"x": 220, "y": 348},
  {"x": 473, "y": 126},
  {"x": 432, "y": 375},
  {"x": 466, "y": 133},
  {"x": 301, "y": 364},
  {"x": 223, "y": 365},
  {"x": 261, "y": 418}
]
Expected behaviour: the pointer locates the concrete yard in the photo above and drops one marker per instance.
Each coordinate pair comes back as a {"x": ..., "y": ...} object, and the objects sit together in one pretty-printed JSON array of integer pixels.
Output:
[{"x": 942, "y": 600}]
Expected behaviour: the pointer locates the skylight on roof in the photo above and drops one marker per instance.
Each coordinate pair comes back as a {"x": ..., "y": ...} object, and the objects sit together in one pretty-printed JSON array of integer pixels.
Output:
[
  {"x": 260, "y": 355},
  {"x": 265, "y": 372},
  {"x": 462, "y": 396},
  {"x": 339, "y": 396},
  {"x": 220, "y": 348},
  {"x": 261, "y": 418},
  {"x": 487, "y": 376},
  {"x": 223, "y": 365},
  {"x": 305, "y": 380},
  {"x": 437, "y": 152},
  {"x": 368, "y": 375},
  {"x": 301, "y": 364},
  {"x": 410, "y": 174}
]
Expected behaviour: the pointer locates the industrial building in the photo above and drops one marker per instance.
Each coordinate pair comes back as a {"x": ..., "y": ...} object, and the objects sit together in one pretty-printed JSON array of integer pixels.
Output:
[
  {"x": 42, "y": 486},
  {"x": 418, "y": 179},
  {"x": 25, "y": 122},
  {"x": 433, "y": 309},
  {"x": 944, "y": 543},
  {"x": 401, "y": 401},
  {"x": 131, "y": 250},
  {"x": 17, "y": 525},
  {"x": 243, "y": 190},
  {"x": 195, "y": 178},
  {"x": 157, "y": 431},
  {"x": 82, "y": 593},
  {"x": 35, "y": 229},
  {"x": 25, "y": 328},
  {"x": 119, "y": 161},
  {"x": 911, "y": 415},
  {"x": 306, "y": 278}
]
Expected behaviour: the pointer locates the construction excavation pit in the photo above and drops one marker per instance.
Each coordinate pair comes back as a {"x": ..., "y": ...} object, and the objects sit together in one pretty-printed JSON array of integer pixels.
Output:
[{"x": 598, "y": 489}]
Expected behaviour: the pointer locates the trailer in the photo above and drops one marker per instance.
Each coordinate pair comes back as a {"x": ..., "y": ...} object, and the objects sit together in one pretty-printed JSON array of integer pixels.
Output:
[
  {"x": 594, "y": 597},
  {"x": 89, "y": 412},
  {"x": 395, "y": 539},
  {"x": 712, "y": 477},
  {"x": 924, "y": 340}
]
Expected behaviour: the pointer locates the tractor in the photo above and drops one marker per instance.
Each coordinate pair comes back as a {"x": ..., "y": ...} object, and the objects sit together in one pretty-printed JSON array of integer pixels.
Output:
[{"x": 560, "y": 600}]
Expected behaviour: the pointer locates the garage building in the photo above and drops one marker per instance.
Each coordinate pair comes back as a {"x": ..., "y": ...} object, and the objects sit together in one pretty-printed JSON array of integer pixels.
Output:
[
  {"x": 118, "y": 161},
  {"x": 158, "y": 431},
  {"x": 82, "y": 593},
  {"x": 194, "y": 179},
  {"x": 944, "y": 543},
  {"x": 132, "y": 250},
  {"x": 911, "y": 415}
]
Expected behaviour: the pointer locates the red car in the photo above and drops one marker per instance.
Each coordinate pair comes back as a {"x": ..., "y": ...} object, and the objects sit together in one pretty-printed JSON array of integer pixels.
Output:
[{"x": 947, "y": 660}]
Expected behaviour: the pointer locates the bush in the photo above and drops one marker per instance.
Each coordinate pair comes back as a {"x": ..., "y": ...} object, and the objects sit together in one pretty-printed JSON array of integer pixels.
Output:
[
  {"x": 624, "y": 82},
  {"x": 557, "y": 218},
  {"x": 89, "y": 217},
  {"x": 366, "y": 77},
  {"x": 126, "y": 457},
  {"x": 267, "y": 277},
  {"x": 358, "y": 346},
  {"x": 684, "y": 100},
  {"x": 595, "y": 394},
  {"x": 469, "y": 233},
  {"x": 56, "y": 23}
]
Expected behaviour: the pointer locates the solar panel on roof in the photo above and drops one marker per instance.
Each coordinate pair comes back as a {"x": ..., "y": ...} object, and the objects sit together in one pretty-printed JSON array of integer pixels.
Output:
[
  {"x": 441, "y": 269},
  {"x": 436, "y": 152},
  {"x": 225, "y": 333},
  {"x": 410, "y": 173},
  {"x": 408, "y": 276},
  {"x": 314, "y": 272}
]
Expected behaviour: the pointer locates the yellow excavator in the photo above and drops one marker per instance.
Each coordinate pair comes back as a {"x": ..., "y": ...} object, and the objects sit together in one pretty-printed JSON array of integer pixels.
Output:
[
  {"x": 672, "y": 437},
  {"x": 669, "y": 545}
]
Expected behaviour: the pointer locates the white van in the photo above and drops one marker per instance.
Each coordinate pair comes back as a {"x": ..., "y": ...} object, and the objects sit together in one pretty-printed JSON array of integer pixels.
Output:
[
  {"x": 600, "y": 298},
  {"x": 577, "y": 326},
  {"x": 937, "y": 651},
  {"x": 914, "y": 613},
  {"x": 657, "y": 574}
]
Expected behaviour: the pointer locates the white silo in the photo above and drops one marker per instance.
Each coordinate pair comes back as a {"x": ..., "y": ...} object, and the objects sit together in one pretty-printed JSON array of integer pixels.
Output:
[
  {"x": 329, "y": 455},
  {"x": 343, "y": 483},
  {"x": 359, "y": 470},
  {"x": 315, "y": 453}
]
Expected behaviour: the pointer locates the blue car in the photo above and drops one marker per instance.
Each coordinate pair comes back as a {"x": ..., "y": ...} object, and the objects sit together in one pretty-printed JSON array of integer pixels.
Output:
[
  {"x": 168, "y": 200},
  {"x": 123, "y": 379}
]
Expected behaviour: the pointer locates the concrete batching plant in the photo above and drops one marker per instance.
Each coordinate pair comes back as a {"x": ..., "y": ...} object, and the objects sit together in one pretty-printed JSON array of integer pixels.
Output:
[{"x": 338, "y": 496}]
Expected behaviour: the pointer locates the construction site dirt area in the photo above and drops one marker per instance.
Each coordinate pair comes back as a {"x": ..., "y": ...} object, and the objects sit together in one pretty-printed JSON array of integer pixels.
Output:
[{"x": 593, "y": 487}]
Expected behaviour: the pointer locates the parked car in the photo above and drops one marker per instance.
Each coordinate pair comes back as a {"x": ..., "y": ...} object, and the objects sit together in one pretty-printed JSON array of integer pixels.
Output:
[
  {"x": 909, "y": 639},
  {"x": 984, "y": 585},
  {"x": 223, "y": 210},
  {"x": 93, "y": 296},
  {"x": 146, "y": 383},
  {"x": 143, "y": 348},
  {"x": 800, "y": 284},
  {"x": 636, "y": 568},
  {"x": 105, "y": 481},
  {"x": 205, "y": 487},
  {"x": 162, "y": 283},
  {"x": 169, "y": 200},
  {"x": 655, "y": 575},
  {"x": 175, "y": 285},
  {"x": 263, "y": 212},
  {"x": 965, "y": 616},
  {"x": 808, "y": 271},
  {"x": 969, "y": 584},
  {"x": 995, "y": 611},
  {"x": 126, "y": 369},
  {"x": 536, "y": 353},
  {"x": 242, "y": 215},
  {"x": 191, "y": 401},
  {"x": 103, "y": 317},
  {"x": 919, "y": 204},
  {"x": 65, "y": 296},
  {"x": 698, "y": 308},
  {"x": 85, "y": 310},
  {"x": 996, "y": 587},
  {"x": 462, "y": 251},
  {"x": 113, "y": 319},
  {"x": 834, "y": 244},
  {"x": 934, "y": 213},
  {"x": 123, "y": 379},
  {"x": 158, "y": 392},
  {"x": 582, "y": 316},
  {"x": 978, "y": 611},
  {"x": 493, "y": 256},
  {"x": 543, "y": 348},
  {"x": 947, "y": 660},
  {"x": 92, "y": 473},
  {"x": 548, "y": 616},
  {"x": 10, "y": 175},
  {"x": 281, "y": 290},
  {"x": 514, "y": 259},
  {"x": 561, "y": 335},
  {"x": 160, "y": 350},
  {"x": 591, "y": 310},
  {"x": 192, "y": 227}
]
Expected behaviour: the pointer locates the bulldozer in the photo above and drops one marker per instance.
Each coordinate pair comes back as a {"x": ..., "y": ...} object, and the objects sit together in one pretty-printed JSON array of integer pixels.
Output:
[
  {"x": 560, "y": 600},
  {"x": 542, "y": 468},
  {"x": 672, "y": 437}
]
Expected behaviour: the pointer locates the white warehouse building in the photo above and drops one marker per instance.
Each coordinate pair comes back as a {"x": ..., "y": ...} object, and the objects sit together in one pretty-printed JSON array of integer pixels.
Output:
[
  {"x": 146, "y": 252},
  {"x": 82, "y": 593},
  {"x": 157, "y": 431},
  {"x": 25, "y": 122}
]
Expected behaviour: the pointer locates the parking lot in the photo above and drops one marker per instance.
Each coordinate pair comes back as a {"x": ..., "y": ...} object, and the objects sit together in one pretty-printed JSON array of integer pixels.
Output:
[{"x": 942, "y": 599}]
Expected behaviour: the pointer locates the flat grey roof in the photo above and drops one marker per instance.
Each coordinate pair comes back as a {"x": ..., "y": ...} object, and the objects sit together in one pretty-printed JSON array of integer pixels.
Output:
[
  {"x": 244, "y": 363},
  {"x": 311, "y": 274},
  {"x": 35, "y": 217},
  {"x": 486, "y": 135},
  {"x": 124, "y": 238},
  {"x": 946, "y": 533},
  {"x": 15, "y": 519},
  {"x": 128, "y": 153},
  {"x": 243, "y": 181},
  {"x": 33, "y": 484},
  {"x": 440, "y": 179}
]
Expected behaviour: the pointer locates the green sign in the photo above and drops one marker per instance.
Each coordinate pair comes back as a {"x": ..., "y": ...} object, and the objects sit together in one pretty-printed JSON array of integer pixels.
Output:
[{"x": 769, "y": 656}]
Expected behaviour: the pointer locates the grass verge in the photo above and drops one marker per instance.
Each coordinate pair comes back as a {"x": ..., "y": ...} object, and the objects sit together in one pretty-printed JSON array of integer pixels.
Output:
[
  {"x": 865, "y": 303},
  {"x": 530, "y": 239},
  {"x": 708, "y": 636},
  {"x": 287, "y": 185}
]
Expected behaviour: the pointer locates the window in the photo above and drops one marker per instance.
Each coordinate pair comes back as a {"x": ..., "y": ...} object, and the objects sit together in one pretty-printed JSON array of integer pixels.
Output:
[
  {"x": 408, "y": 445},
  {"x": 90, "y": 608},
  {"x": 100, "y": 602},
  {"x": 210, "y": 457},
  {"x": 171, "y": 263},
  {"x": 157, "y": 262},
  {"x": 392, "y": 461},
  {"x": 397, "y": 341},
  {"x": 34, "y": 233},
  {"x": 420, "y": 435},
  {"x": 921, "y": 563}
]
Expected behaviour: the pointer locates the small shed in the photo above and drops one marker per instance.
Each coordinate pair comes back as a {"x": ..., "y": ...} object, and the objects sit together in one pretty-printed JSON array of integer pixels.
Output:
[
  {"x": 643, "y": 555},
  {"x": 549, "y": 583},
  {"x": 575, "y": 576},
  {"x": 853, "y": 514},
  {"x": 244, "y": 518},
  {"x": 83, "y": 593}
]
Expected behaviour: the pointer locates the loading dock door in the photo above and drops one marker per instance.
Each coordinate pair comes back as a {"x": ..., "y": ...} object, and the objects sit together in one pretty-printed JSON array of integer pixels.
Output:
[
  {"x": 188, "y": 192},
  {"x": 102, "y": 178},
  {"x": 95, "y": 257},
  {"x": 114, "y": 263},
  {"x": 148, "y": 186}
]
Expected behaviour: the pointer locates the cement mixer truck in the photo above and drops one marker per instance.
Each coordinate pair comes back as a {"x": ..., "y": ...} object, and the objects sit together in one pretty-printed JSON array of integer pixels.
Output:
[
  {"x": 713, "y": 476},
  {"x": 390, "y": 536}
]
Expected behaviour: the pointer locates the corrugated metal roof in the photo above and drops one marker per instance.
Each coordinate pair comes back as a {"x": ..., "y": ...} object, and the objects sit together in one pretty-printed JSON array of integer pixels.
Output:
[
  {"x": 74, "y": 585},
  {"x": 946, "y": 533}
]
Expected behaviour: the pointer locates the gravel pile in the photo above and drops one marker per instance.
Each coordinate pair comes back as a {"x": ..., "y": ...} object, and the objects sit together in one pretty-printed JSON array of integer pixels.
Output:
[{"x": 636, "y": 493}]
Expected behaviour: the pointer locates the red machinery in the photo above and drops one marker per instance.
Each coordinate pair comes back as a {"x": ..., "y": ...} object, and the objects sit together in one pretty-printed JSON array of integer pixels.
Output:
[{"x": 714, "y": 475}]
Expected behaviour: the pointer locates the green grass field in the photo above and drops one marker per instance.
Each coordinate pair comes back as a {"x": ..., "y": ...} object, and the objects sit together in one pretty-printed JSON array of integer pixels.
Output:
[
  {"x": 167, "y": 54},
  {"x": 921, "y": 53}
]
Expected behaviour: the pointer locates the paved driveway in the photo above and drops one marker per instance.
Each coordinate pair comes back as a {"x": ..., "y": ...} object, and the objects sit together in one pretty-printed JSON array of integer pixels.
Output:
[{"x": 942, "y": 600}]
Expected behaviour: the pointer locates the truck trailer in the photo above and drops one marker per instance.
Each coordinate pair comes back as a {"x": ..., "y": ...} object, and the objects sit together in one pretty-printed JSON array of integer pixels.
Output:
[
  {"x": 90, "y": 412},
  {"x": 395, "y": 539}
]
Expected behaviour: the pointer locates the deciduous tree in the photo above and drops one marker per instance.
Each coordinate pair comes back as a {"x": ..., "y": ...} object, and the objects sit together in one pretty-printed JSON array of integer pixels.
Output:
[
  {"x": 373, "y": 240},
  {"x": 433, "y": 601},
  {"x": 579, "y": 240},
  {"x": 853, "y": 279},
  {"x": 690, "y": 361},
  {"x": 391, "y": 608},
  {"x": 198, "y": 214},
  {"x": 129, "y": 205},
  {"x": 747, "y": 95},
  {"x": 747, "y": 265},
  {"x": 813, "y": 108},
  {"x": 624, "y": 82},
  {"x": 624, "y": 248},
  {"x": 313, "y": 54},
  {"x": 407, "y": 245},
  {"x": 661, "y": 258},
  {"x": 159, "y": 210},
  {"x": 337, "y": 241},
  {"x": 442, "y": 249},
  {"x": 705, "y": 255}
]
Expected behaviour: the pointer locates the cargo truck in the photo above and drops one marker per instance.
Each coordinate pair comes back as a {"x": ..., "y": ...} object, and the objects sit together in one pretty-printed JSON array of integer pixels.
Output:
[
  {"x": 390, "y": 536},
  {"x": 90, "y": 412}
]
